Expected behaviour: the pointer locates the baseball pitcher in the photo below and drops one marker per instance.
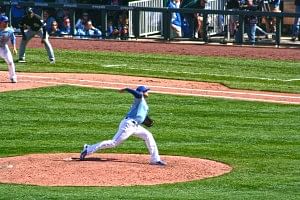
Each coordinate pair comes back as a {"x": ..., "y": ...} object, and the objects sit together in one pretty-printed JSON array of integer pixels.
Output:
[
  {"x": 131, "y": 125},
  {"x": 7, "y": 34},
  {"x": 35, "y": 26}
]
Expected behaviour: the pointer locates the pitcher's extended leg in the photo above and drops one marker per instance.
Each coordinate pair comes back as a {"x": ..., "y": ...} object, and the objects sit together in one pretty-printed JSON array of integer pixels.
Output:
[
  {"x": 150, "y": 143},
  {"x": 126, "y": 128}
]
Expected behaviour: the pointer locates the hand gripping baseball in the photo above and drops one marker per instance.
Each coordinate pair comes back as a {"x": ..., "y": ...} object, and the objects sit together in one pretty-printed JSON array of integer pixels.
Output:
[{"x": 148, "y": 121}]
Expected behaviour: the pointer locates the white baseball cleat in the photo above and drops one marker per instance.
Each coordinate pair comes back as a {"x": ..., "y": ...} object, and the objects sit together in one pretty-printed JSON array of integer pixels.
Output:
[
  {"x": 160, "y": 162},
  {"x": 13, "y": 80},
  {"x": 21, "y": 61}
]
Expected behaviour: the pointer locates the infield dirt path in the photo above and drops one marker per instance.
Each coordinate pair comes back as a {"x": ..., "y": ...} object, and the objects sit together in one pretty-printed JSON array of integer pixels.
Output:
[
  {"x": 190, "y": 88},
  {"x": 29, "y": 80}
]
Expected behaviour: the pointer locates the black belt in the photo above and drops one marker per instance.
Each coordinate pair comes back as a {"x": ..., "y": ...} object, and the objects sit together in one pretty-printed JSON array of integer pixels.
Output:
[{"x": 135, "y": 122}]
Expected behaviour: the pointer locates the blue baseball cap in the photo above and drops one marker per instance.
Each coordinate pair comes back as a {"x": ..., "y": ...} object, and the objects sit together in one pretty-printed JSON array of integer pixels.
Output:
[
  {"x": 142, "y": 88},
  {"x": 3, "y": 18}
]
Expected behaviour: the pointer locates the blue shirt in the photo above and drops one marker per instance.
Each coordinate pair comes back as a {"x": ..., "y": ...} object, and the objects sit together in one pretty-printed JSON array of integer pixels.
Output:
[
  {"x": 139, "y": 109},
  {"x": 176, "y": 19},
  {"x": 6, "y": 35},
  {"x": 277, "y": 3},
  {"x": 90, "y": 33},
  {"x": 66, "y": 30}
]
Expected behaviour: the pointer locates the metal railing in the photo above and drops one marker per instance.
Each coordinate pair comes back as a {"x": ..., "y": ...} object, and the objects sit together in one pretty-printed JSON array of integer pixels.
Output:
[{"x": 150, "y": 22}]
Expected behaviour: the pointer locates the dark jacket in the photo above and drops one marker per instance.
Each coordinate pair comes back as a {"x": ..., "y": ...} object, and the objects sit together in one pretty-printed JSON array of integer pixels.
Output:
[
  {"x": 233, "y": 4},
  {"x": 35, "y": 23},
  {"x": 191, "y": 4}
]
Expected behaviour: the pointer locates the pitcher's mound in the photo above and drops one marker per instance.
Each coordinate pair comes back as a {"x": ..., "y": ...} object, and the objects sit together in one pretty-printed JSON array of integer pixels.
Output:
[{"x": 104, "y": 170}]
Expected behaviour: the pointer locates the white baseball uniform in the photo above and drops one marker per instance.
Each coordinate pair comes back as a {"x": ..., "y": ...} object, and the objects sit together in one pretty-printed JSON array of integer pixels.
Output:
[
  {"x": 131, "y": 125},
  {"x": 5, "y": 53}
]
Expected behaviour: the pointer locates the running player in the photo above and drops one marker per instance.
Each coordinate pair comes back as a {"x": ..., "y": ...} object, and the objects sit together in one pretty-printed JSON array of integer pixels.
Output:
[
  {"x": 34, "y": 25},
  {"x": 131, "y": 125},
  {"x": 7, "y": 34}
]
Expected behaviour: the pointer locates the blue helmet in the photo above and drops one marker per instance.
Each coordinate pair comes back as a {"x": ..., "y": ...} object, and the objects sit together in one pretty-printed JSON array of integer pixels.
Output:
[
  {"x": 3, "y": 18},
  {"x": 142, "y": 89}
]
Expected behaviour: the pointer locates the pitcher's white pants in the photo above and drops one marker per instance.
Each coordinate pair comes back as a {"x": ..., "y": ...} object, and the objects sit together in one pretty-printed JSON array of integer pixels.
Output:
[
  {"x": 127, "y": 128},
  {"x": 5, "y": 53}
]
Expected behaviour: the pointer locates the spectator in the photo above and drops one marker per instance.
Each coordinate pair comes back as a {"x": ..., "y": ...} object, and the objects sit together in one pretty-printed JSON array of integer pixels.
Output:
[
  {"x": 270, "y": 22},
  {"x": 48, "y": 19},
  {"x": 175, "y": 20},
  {"x": 125, "y": 29},
  {"x": 233, "y": 5},
  {"x": 89, "y": 31},
  {"x": 296, "y": 25},
  {"x": 115, "y": 14},
  {"x": 17, "y": 12},
  {"x": 116, "y": 33},
  {"x": 192, "y": 21},
  {"x": 54, "y": 30},
  {"x": 199, "y": 20},
  {"x": 123, "y": 23},
  {"x": 63, "y": 13},
  {"x": 125, "y": 32},
  {"x": 110, "y": 29},
  {"x": 66, "y": 28},
  {"x": 82, "y": 21},
  {"x": 120, "y": 31},
  {"x": 250, "y": 22}
]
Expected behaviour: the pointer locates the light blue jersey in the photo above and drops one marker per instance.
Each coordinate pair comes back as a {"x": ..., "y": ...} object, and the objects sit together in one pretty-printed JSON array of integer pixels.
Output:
[
  {"x": 6, "y": 35},
  {"x": 139, "y": 108}
]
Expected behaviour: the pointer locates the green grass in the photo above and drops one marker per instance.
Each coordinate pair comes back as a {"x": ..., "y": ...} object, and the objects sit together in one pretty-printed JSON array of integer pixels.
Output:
[
  {"x": 272, "y": 75},
  {"x": 261, "y": 141}
]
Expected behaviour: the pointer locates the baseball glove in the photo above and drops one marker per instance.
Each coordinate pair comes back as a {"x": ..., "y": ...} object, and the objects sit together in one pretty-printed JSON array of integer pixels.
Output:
[{"x": 148, "y": 121}]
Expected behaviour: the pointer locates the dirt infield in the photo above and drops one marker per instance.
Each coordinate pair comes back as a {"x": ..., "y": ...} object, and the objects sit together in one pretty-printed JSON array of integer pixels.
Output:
[
  {"x": 104, "y": 170},
  {"x": 123, "y": 169},
  {"x": 191, "y": 88}
]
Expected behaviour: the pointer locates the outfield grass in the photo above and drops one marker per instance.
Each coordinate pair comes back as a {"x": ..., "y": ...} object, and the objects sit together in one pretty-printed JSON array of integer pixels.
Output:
[
  {"x": 261, "y": 141},
  {"x": 272, "y": 75}
]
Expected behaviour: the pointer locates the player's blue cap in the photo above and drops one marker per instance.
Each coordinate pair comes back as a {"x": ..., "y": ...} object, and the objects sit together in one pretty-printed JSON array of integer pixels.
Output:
[
  {"x": 3, "y": 18},
  {"x": 142, "y": 88}
]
